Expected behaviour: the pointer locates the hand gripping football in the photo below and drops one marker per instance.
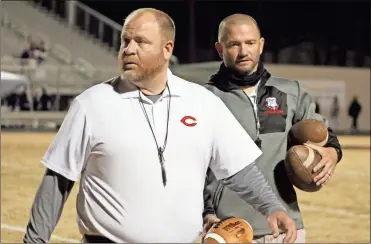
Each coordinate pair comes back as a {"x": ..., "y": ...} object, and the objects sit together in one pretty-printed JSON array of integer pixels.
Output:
[
  {"x": 309, "y": 131},
  {"x": 230, "y": 230}
]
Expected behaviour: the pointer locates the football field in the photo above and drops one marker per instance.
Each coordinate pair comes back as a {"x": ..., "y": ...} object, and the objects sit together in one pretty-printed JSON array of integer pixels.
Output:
[{"x": 340, "y": 212}]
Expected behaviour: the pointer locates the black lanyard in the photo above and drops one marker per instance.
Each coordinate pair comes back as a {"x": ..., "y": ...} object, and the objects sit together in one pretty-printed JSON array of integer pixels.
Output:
[{"x": 160, "y": 150}]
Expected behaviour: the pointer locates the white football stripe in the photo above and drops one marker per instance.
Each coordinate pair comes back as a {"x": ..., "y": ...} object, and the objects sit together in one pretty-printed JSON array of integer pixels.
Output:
[
  {"x": 310, "y": 157},
  {"x": 216, "y": 237}
]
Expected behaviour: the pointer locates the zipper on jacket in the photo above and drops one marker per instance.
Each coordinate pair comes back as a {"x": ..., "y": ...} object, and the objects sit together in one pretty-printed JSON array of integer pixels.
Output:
[
  {"x": 219, "y": 188},
  {"x": 257, "y": 123}
]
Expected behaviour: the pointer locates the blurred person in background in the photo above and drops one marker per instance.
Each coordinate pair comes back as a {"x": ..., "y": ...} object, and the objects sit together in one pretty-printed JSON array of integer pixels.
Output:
[
  {"x": 318, "y": 107},
  {"x": 45, "y": 100},
  {"x": 350, "y": 58},
  {"x": 35, "y": 99},
  {"x": 333, "y": 56},
  {"x": 335, "y": 110},
  {"x": 367, "y": 61},
  {"x": 354, "y": 111},
  {"x": 23, "y": 99},
  {"x": 286, "y": 53},
  {"x": 320, "y": 51},
  {"x": 304, "y": 53},
  {"x": 41, "y": 52},
  {"x": 28, "y": 52},
  {"x": 28, "y": 58},
  {"x": 12, "y": 101}
]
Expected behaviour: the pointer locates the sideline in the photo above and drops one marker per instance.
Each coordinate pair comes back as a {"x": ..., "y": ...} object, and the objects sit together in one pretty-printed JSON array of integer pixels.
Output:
[{"x": 23, "y": 230}]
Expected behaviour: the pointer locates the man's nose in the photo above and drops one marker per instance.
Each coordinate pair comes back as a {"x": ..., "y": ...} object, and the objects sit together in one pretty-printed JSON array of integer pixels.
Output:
[
  {"x": 130, "y": 48},
  {"x": 244, "y": 50}
]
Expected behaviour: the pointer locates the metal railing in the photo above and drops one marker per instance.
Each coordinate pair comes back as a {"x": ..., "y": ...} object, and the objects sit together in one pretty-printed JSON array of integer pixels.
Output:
[
  {"x": 97, "y": 25},
  {"x": 58, "y": 78},
  {"x": 93, "y": 23},
  {"x": 56, "y": 50}
]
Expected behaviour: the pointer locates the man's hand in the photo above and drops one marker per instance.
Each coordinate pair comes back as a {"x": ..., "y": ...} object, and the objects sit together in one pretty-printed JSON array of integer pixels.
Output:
[
  {"x": 209, "y": 220},
  {"x": 282, "y": 220},
  {"x": 328, "y": 163}
]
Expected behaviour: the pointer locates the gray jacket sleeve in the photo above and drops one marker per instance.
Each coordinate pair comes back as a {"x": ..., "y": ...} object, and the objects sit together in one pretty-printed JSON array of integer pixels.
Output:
[
  {"x": 251, "y": 186},
  {"x": 47, "y": 207},
  {"x": 208, "y": 202}
]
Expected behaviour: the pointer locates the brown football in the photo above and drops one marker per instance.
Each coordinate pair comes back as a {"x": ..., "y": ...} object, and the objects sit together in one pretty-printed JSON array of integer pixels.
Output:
[
  {"x": 230, "y": 230},
  {"x": 299, "y": 163},
  {"x": 308, "y": 131}
]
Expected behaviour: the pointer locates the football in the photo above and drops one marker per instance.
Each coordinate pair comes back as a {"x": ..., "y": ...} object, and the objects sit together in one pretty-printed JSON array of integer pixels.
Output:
[
  {"x": 299, "y": 163},
  {"x": 230, "y": 230},
  {"x": 308, "y": 131}
]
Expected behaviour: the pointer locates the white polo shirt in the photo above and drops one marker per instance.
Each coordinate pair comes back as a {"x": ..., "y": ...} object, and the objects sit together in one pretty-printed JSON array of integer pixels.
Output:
[{"x": 105, "y": 139}]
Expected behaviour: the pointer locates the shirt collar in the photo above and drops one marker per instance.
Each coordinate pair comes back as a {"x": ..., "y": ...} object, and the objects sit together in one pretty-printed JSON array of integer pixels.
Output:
[
  {"x": 175, "y": 88},
  {"x": 254, "y": 92}
]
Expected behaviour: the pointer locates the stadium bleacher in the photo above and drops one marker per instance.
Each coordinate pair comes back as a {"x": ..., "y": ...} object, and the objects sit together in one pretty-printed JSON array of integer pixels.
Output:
[
  {"x": 68, "y": 68},
  {"x": 69, "y": 45}
]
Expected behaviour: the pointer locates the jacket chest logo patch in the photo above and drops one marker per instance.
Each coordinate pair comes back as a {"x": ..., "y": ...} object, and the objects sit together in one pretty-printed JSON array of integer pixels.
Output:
[{"x": 273, "y": 106}]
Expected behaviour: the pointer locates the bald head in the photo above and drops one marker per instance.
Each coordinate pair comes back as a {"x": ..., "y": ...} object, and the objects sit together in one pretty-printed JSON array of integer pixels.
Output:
[
  {"x": 240, "y": 43},
  {"x": 235, "y": 19},
  {"x": 165, "y": 22}
]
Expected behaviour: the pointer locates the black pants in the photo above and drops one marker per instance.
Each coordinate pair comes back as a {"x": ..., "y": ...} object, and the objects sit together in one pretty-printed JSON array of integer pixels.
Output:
[
  {"x": 97, "y": 239},
  {"x": 355, "y": 123}
]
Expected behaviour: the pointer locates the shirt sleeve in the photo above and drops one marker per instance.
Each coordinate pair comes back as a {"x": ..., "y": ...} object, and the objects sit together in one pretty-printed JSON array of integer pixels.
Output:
[
  {"x": 47, "y": 207},
  {"x": 70, "y": 148},
  {"x": 250, "y": 184},
  {"x": 233, "y": 149}
]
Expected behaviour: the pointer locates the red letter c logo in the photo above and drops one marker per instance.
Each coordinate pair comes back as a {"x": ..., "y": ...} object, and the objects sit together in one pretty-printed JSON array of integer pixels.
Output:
[{"x": 186, "y": 120}]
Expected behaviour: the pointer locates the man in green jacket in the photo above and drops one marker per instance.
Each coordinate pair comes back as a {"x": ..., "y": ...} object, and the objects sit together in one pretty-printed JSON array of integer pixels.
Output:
[{"x": 267, "y": 107}]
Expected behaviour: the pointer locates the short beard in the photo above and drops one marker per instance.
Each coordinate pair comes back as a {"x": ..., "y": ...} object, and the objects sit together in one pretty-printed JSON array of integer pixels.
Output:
[
  {"x": 145, "y": 74},
  {"x": 245, "y": 72}
]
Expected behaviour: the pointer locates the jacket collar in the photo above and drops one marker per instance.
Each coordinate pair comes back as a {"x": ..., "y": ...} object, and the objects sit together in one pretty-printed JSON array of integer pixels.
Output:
[{"x": 222, "y": 82}]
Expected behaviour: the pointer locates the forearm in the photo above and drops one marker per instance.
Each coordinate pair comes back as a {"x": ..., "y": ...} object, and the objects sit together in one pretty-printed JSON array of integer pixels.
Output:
[
  {"x": 47, "y": 207},
  {"x": 334, "y": 143},
  {"x": 306, "y": 110},
  {"x": 252, "y": 187}
]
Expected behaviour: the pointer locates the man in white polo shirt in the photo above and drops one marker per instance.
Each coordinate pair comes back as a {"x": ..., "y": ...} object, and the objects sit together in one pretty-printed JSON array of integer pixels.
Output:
[{"x": 142, "y": 143}]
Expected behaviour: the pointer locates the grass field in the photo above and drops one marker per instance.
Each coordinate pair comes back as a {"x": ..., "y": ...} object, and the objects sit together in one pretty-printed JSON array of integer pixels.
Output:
[{"x": 340, "y": 212}]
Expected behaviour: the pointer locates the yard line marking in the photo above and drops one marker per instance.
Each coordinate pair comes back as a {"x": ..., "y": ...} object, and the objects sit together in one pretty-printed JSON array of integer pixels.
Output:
[
  {"x": 6, "y": 241},
  {"x": 316, "y": 208},
  {"x": 334, "y": 211},
  {"x": 23, "y": 230}
]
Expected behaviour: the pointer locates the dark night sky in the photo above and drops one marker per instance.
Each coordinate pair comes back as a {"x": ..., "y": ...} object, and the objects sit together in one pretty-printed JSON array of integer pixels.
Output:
[{"x": 346, "y": 24}]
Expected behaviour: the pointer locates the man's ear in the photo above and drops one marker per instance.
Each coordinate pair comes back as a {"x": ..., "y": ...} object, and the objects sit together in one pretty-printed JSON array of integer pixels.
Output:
[
  {"x": 261, "y": 45},
  {"x": 219, "y": 49},
  {"x": 168, "y": 49}
]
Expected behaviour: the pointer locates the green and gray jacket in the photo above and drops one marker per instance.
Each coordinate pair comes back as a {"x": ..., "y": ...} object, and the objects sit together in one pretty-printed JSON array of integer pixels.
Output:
[{"x": 280, "y": 104}]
